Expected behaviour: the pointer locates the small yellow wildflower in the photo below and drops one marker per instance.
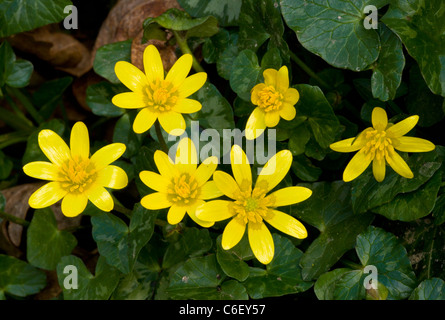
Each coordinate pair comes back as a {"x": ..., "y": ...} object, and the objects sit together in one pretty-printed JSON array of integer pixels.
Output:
[
  {"x": 75, "y": 176},
  {"x": 181, "y": 185},
  {"x": 274, "y": 99},
  {"x": 378, "y": 143},
  {"x": 159, "y": 98},
  {"x": 253, "y": 207}
]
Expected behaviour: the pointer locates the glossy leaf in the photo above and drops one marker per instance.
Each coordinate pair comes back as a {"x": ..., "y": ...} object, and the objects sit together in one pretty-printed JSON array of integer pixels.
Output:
[
  {"x": 99, "y": 97},
  {"x": 431, "y": 289},
  {"x": 107, "y": 56},
  {"x": 226, "y": 11}
]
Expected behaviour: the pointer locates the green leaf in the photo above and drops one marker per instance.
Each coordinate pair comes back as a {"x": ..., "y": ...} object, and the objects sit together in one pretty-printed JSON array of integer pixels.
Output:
[
  {"x": 431, "y": 289},
  {"x": 282, "y": 275},
  {"x": 304, "y": 169},
  {"x": 413, "y": 205},
  {"x": 7, "y": 60},
  {"x": 334, "y": 30},
  {"x": 120, "y": 244},
  {"x": 224, "y": 64},
  {"x": 325, "y": 284},
  {"x": 387, "y": 71},
  {"x": 419, "y": 24},
  {"x": 320, "y": 115},
  {"x": 299, "y": 137},
  {"x": 260, "y": 21},
  {"x": 232, "y": 261},
  {"x": 226, "y": 11},
  {"x": 350, "y": 286},
  {"x": 124, "y": 133},
  {"x": 46, "y": 244},
  {"x": 245, "y": 73},
  {"x": 24, "y": 15},
  {"x": 367, "y": 193},
  {"x": 192, "y": 243},
  {"x": 107, "y": 56},
  {"x": 19, "y": 278},
  {"x": 99, "y": 97},
  {"x": 5, "y": 166},
  {"x": 20, "y": 74},
  {"x": 49, "y": 95},
  {"x": 329, "y": 210},
  {"x": 99, "y": 286}
]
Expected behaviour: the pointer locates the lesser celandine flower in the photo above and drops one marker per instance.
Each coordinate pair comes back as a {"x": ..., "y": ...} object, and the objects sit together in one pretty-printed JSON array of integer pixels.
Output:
[
  {"x": 159, "y": 97},
  {"x": 251, "y": 207},
  {"x": 378, "y": 144},
  {"x": 75, "y": 176},
  {"x": 274, "y": 100},
  {"x": 181, "y": 185}
]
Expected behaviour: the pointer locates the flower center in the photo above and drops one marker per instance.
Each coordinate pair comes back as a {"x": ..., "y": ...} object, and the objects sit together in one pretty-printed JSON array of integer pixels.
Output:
[
  {"x": 162, "y": 96},
  {"x": 378, "y": 145},
  {"x": 270, "y": 99},
  {"x": 250, "y": 206},
  {"x": 183, "y": 189},
  {"x": 77, "y": 175}
]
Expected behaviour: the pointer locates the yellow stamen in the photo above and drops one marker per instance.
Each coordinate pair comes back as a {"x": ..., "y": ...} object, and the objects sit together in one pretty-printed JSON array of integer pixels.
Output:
[
  {"x": 162, "y": 96},
  {"x": 183, "y": 189},
  {"x": 77, "y": 175},
  {"x": 270, "y": 99}
]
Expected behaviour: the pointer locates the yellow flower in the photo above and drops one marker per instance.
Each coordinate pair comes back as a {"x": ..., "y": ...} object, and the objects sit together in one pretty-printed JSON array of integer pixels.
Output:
[
  {"x": 181, "y": 185},
  {"x": 274, "y": 99},
  {"x": 253, "y": 207},
  {"x": 75, "y": 176},
  {"x": 377, "y": 144},
  {"x": 159, "y": 98}
]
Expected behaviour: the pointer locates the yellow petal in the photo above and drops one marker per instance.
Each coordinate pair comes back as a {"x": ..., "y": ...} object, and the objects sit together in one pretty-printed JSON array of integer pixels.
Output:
[
  {"x": 165, "y": 165},
  {"x": 133, "y": 78},
  {"x": 130, "y": 100},
  {"x": 254, "y": 97},
  {"x": 176, "y": 214},
  {"x": 101, "y": 198},
  {"x": 205, "y": 170},
  {"x": 379, "y": 169},
  {"x": 356, "y": 166},
  {"x": 155, "y": 201},
  {"x": 347, "y": 145},
  {"x": 172, "y": 122},
  {"x": 399, "y": 165},
  {"x": 106, "y": 155},
  {"x": 287, "y": 111},
  {"x": 47, "y": 195},
  {"x": 74, "y": 204},
  {"x": 80, "y": 141},
  {"x": 186, "y": 156},
  {"x": 288, "y": 196},
  {"x": 192, "y": 84},
  {"x": 154, "y": 181},
  {"x": 272, "y": 118},
  {"x": 240, "y": 166},
  {"x": 42, "y": 170},
  {"x": 226, "y": 184},
  {"x": 53, "y": 146},
  {"x": 209, "y": 191},
  {"x": 403, "y": 127},
  {"x": 286, "y": 223},
  {"x": 215, "y": 210},
  {"x": 283, "y": 79},
  {"x": 270, "y": 77},
  {"x": 187, "y": 106},
  {"x": 261, "y": 242},
  {"x": 413, "y": 144},
  {"x": 291, "y": 96},
  {"x": 144, "y": 120},
  {"x": 153, "y": 66},
  {"x": 112, "y": 177},
  {"x": 379, "y": 118},
  {"x": 274, "y": 170},
  {"x": 256, "y": 124},
  {"x": 180, "y": 70},
  {"x": 233, "y": 233},
  {"x": 191, "y": 211}
]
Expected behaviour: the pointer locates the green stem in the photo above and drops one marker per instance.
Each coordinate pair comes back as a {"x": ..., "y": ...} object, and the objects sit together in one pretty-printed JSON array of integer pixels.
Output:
[
  {"x": 26, "y": 104},
  {"x": 160, "y": 222},
  {"x": 182, "y": 43},
  {"x": 15, "y": 122},
  {"x": 14, "y": 219},
  {"x": 160, "y": 137},
  {"x": 430, "y": 257},
  {"x": 123, "y": 210},
  {"x": 308, "y": 70},
  {"x": 8, "y": 139}
]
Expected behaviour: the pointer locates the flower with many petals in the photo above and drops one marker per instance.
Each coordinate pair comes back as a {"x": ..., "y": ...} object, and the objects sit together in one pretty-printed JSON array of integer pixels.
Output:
[
  {"x": 159, "y": 97},
  {"x": 181, "y": 185},
  {"x": 378, "y": 144},
  {"x": 251, "y": 207},
  {"x": 274, "y": 100},
  {"x": 75, "y": 176}
]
